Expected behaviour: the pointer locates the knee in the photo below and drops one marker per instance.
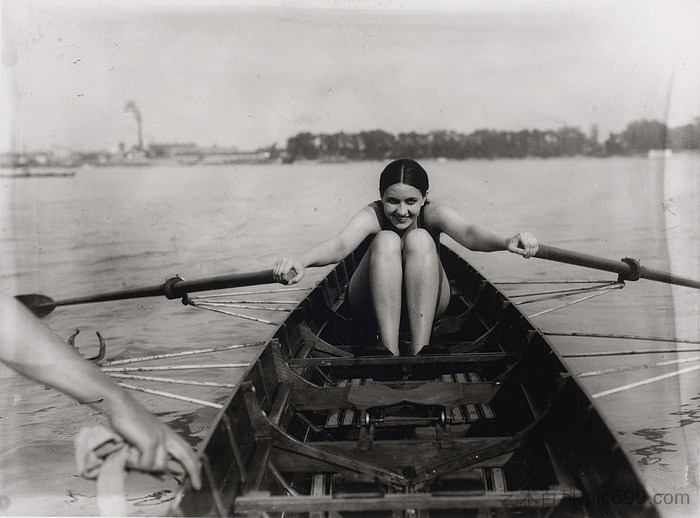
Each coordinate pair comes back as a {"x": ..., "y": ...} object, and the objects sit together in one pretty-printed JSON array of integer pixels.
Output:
[
  {"x": 386, "y": 241},
  {"x": 420, "y": 241}
]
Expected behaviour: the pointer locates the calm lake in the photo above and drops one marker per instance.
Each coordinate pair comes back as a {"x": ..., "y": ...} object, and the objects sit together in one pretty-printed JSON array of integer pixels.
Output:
[{"x": 108, "y": 229}]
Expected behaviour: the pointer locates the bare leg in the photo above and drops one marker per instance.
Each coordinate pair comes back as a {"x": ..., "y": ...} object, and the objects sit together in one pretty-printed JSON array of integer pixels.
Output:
[
  {"x": 377, "y": 285},
  {"x": 423, "y": 277}
]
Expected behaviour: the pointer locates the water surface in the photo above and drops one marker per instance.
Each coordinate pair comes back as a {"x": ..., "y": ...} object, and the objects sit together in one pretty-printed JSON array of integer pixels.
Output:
[{"x": 115, "y": 228}]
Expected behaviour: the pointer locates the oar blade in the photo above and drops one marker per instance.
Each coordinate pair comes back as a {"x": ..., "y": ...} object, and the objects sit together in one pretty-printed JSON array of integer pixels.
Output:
[{"x": 40, "y": 305}]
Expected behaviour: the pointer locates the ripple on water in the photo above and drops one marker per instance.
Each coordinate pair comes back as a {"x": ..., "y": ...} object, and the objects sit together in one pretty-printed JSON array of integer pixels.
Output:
[{"x": 655, "y": 453}]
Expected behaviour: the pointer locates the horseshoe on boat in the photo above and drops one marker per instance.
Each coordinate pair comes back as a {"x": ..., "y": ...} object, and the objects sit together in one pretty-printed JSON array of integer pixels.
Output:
[{"x": 101, "y": 352}]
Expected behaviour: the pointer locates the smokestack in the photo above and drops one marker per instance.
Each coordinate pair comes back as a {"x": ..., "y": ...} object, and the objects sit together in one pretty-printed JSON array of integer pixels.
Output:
[{"x": 131, "y": 108}]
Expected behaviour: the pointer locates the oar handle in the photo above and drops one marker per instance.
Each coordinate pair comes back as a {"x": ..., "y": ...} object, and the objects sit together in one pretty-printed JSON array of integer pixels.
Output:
[
  {"x": 177, "y": 287},
  {"x": 559, "y": 255},
  {"x": 627, "y": 269}
]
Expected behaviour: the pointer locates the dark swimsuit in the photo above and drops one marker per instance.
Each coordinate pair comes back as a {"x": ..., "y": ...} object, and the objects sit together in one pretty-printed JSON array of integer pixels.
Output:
[{"x": 385, "y": 224}]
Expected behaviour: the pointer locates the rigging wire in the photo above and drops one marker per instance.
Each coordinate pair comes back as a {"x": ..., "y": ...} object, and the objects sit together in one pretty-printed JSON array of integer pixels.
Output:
[
  {"x": 237, "y": 365},
  {"x": 180, "y": 353},
  {"x": 241, "y": 301},
  {"x": 171, "y": 396},
  {"x": 234, "y": 304},
  {"x": 554, "y": 282},
  {"x": 204, "y": 305},
  {"x": 645, "y": 382},
  {"x": 628, "y": 352},
  {"x": 627, "y": 368},
  {"x": 569, "y": 291},
  {"x": 600, "y": 288},
  {"x": 239, "y": 293},
  {"x": 597, "y": 288},
  {"x": 115, "y": 368},
  {"x": 565, "y": 293},
  {"x": 622, "y": 337},
  {"x": 172, "y": 380},
  {"x": 605, "y": 291}
]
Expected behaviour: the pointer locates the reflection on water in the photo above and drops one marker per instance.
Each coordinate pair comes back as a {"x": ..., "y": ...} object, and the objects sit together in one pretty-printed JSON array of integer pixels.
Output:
[
  {"x": 659, "y": 444},
  {"x": 117, "y": 228},
  {"x": 658, "y": 447}
]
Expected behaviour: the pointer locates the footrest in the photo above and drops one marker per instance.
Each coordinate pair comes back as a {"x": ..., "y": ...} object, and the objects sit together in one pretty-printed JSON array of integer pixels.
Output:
[
  {"x": 363, "y": 397},
  {"x": 471, "y": 412},
  {"x": 344, "y": 417},
  {"x": 459, "y": 394}
]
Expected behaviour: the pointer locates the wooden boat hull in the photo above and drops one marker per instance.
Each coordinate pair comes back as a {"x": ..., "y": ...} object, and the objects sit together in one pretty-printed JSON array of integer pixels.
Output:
[{"x": 496, "y": 426}]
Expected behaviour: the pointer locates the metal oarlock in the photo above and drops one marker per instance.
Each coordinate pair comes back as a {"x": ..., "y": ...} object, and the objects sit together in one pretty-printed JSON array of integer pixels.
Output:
[{"x": 635, "y": 272}]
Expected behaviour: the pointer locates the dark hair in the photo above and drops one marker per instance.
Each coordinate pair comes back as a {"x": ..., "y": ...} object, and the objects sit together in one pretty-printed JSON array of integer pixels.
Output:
[{"x": 405, "y": 171}]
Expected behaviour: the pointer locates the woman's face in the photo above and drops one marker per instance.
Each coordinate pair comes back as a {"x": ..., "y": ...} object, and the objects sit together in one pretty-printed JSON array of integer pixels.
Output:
[{"x": 402, "y": 204}]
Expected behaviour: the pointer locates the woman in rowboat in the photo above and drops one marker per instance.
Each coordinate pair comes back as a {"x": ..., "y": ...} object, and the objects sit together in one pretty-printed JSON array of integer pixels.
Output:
[
  {"x": 32, "y": 349},
  {"x": 401, "y": 276}
]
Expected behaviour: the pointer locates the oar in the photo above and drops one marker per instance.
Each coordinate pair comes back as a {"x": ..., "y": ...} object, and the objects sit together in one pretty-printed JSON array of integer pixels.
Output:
[
  {"x": 173, "y": 288},
  {"x": 628, "y": 269}
]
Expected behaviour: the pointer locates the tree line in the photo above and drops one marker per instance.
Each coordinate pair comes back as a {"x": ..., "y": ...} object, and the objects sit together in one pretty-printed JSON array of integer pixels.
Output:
[{"x": 638, "y": 137}]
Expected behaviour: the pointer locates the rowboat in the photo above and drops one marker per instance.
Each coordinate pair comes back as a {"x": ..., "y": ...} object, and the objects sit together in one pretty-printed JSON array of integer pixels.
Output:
[{"x": 493, "y": 424}]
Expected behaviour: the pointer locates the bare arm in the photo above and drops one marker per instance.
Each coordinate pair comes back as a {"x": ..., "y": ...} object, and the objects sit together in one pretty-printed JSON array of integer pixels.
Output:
[
  {"x": 479, "y": 238},
  {"x": 332, "y": 250},
  {"x": 32, "y": 349}
]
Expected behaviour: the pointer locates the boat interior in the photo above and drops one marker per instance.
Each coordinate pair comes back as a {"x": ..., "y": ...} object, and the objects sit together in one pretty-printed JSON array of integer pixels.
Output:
[{"x": 492, "y": 424}]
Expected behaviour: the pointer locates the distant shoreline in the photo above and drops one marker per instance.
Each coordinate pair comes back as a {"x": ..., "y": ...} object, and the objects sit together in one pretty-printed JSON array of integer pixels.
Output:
[{"x": 8, "y": 171}]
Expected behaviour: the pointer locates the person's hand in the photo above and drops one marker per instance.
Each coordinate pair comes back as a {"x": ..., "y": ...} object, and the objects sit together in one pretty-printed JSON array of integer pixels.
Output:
[
  {"x": 288, "y": 271},
  {"x": 35, "y": 351},
  {"x": 154, "y": 440},
  {"x": 523, "y": 243}
]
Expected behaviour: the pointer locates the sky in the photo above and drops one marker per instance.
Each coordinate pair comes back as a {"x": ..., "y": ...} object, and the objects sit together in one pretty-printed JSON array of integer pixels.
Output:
[{"x": 249, "y": 74}]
